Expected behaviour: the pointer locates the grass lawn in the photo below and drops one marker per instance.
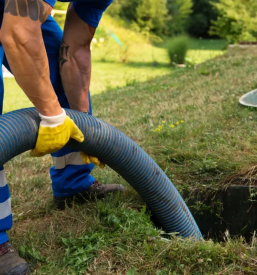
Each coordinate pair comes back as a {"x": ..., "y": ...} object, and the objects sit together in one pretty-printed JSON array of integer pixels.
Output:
[
  {"x": 213, "y": 138},
  {"x": 145, "y": 62}
]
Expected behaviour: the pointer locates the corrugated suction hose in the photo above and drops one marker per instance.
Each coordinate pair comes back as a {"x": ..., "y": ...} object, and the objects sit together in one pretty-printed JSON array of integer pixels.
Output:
[{"x": 18, "y": 133}]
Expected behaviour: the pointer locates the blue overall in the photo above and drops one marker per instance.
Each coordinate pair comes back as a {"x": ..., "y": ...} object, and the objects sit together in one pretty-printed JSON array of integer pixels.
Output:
[{"x": 69, "y": 175}]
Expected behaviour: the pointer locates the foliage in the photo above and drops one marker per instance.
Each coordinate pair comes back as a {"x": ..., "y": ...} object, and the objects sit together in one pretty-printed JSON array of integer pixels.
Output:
[
  {"x": 177, "y": 49},
  {"x": 148, "y": 15},
  {"x": 117, "y": 221},
  {"x": 120, "y": 42},
  {"x": 237, "y": 20},
  {"x": 178, "y": 11},
  {"x": 81, "y": 251},
  {"x": 151, "y": 14},
  {"x": 61, "y": 6},
  {"x": 200, "y": 20},
  {"x": 161, "y": 17},
  {"x": 124, "y": 9}
]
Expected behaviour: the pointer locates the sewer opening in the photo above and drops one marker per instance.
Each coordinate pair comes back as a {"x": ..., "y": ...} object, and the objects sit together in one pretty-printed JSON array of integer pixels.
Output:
[
  {"x": 227, "y": 213},
  {"x": 224, "y": 214}
]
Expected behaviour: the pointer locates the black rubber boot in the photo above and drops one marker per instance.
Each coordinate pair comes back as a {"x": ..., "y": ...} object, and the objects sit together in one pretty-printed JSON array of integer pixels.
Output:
[
  {"x": 96, "y": 190},
  {"x": 10, "y": 262}
]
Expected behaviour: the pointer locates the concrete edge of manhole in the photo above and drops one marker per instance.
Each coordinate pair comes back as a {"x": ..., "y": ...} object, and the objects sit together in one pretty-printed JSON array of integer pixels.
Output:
[{"x": 242, "y": 102}]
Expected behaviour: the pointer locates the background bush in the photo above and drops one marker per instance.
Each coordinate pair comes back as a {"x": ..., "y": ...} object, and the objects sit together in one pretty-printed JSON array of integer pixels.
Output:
[
  {"x": 178, "y": 11},
  {"x": 237, "y": 20},
  {"x": 177, "y": 49},
  {"x": 151, "y": 15},
  {"x": 200, "y": 19},
  {"x": 234, "y": 20},
  {"x": 163, "y": 17}
]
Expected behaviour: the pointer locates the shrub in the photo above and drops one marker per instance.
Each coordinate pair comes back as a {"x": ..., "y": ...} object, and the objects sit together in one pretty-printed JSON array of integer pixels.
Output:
[
  {"x": 177, "y": 49},
  {"x": 167, "y": 17},
  {"x": 237, "y": 20},
  {"x": 151, "y": 15}
]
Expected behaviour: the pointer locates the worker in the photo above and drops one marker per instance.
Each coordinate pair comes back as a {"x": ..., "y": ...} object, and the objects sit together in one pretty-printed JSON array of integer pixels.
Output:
[{"x": 53, "y": 68}]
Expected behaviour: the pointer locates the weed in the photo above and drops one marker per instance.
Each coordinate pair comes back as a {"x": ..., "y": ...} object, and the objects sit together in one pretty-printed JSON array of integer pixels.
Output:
[{"x": 166, "y": 129}]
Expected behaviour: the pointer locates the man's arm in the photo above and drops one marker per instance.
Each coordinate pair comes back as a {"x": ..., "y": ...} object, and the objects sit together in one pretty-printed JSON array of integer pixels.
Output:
[
  {"x": 75, "y": 66},
  {"x": 22, "y": 40},
  {"x": 75, "y": 60}
]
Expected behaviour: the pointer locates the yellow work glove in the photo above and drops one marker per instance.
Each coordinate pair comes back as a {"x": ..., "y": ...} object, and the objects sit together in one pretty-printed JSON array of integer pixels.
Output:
[
  {"x": 88, "y": 159},
  {"x": 54, "y": 133}
]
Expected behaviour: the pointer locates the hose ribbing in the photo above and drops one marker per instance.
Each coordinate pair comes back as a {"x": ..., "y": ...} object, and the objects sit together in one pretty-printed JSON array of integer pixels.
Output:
[{"x": 18, "y": 133}]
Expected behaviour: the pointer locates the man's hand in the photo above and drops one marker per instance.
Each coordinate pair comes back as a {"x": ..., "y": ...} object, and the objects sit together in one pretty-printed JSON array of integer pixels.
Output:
[
  {"x": 54, "y": 133},
  {"x": 88, "y": 159}
]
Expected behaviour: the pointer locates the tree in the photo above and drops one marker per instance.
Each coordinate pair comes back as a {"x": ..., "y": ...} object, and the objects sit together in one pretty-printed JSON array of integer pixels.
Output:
[
  {"x": 237, "y": 20},
  {"x": 159, "y": 16},
  {"x": 200, "y": 20},
  {"x": 179, "y": 11},
  {"x": 124, "y": 9},
  {"x": 150, "y": 15}
]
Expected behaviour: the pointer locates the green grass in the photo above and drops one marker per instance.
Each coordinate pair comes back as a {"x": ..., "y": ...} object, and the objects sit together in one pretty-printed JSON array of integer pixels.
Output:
[
  {"x": 14, "y": 97},
  {"x": 145, "y": 62},
  {"x": 215, "y": 141}
]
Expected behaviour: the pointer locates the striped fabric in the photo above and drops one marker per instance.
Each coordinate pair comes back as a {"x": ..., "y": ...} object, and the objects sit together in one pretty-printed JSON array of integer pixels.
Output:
[
  {"x": 5, "y": 208},
  {"x": 5, "y": 201},
  {"x": 73, "y": 158},
  {"x": 69, "y": 174}
]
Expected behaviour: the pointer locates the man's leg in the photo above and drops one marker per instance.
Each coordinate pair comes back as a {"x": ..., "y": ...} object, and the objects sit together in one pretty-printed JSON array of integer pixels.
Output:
[{"x": 69, "y": 174}]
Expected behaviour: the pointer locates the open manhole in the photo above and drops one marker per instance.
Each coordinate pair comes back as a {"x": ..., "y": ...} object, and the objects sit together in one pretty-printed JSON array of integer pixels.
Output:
[
  {"x": 225, "y": 213},
  {"x": 230, "y": 212}
]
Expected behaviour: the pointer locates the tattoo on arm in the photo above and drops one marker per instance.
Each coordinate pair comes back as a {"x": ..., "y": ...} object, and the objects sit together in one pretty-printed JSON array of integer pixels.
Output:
[
  {"x": 34, "y": 9},
  {"x": 63, "y": 56}
]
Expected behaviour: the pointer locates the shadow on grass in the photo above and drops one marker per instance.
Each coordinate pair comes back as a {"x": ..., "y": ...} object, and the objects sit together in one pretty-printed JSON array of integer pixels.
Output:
[
  {"x": 207, "y": 44},
  {"x": 135, "y": 64},
  {"x": 148, "y": 64},
  {"x": 201, "y": 44}
]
